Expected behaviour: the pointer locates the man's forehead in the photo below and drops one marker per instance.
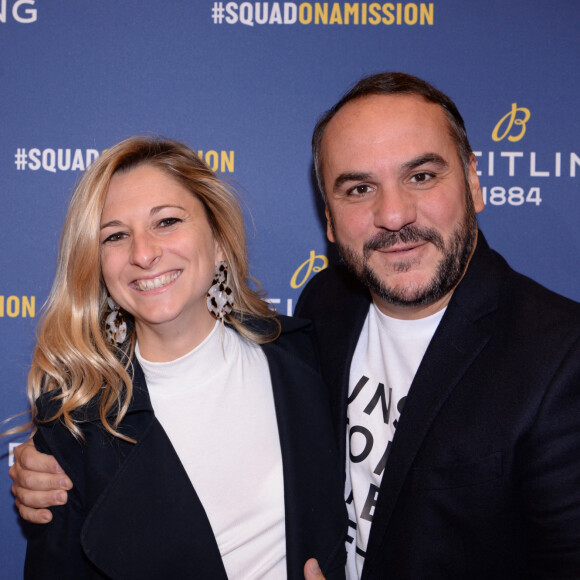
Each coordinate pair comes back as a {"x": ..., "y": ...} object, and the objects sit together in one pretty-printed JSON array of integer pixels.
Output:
[
  {"x": 398, "y": 126},
  {"x": 382, "y": 110},
  {"x": 394, "y": 128}
]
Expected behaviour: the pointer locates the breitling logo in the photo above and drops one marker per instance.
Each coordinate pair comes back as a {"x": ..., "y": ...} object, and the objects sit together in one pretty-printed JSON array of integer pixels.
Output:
[
  {"x": 516, "y": 118},
  {"x": 314, "y": 263}
]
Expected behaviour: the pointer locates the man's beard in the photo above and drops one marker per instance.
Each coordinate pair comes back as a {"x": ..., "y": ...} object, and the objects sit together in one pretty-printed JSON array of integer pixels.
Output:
[{"x": 448, "y": 272}]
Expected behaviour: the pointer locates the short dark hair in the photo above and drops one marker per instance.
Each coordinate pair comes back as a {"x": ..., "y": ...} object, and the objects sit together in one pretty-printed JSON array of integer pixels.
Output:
[{"x": 390, "y": 83}]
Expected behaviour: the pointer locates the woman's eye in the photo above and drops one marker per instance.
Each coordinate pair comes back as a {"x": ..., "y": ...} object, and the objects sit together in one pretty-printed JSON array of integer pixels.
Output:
[
  {"x": 168, "y": 222},
  {"x": 114, "y": 237}
]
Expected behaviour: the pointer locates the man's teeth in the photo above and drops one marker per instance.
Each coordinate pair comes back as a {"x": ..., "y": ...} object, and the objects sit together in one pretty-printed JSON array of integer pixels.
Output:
[{"x": 158, "y": 282}]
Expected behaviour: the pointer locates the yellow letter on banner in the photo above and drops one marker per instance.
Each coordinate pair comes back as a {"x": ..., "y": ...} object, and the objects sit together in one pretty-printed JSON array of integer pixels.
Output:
[
  {"x": 310, "y": 268},
  {"x": 511, "y": 121}
]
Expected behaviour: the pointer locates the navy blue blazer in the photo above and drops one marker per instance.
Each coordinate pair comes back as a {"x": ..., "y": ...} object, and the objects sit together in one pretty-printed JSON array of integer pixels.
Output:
[
  {"x": 133, "y": 512},
  {"x": 483, "y": 477}
]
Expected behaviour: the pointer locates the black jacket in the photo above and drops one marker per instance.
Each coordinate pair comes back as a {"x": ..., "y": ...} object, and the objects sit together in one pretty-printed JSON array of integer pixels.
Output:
[
  {"x": 133, "y": 512},
  {"x": 483, "y": 476}
]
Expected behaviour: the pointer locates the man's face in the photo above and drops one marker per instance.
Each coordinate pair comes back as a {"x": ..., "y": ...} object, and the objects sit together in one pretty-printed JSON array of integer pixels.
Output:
[{"x": 399, "y": 206}]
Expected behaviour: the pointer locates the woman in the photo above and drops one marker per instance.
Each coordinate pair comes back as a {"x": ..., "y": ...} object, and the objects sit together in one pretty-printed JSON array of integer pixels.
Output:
[{"x": 188, "y": 415}]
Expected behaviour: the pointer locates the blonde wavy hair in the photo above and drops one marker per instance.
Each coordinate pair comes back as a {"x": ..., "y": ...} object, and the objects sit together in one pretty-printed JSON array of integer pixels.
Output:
[{"x": 73, "y": 357}]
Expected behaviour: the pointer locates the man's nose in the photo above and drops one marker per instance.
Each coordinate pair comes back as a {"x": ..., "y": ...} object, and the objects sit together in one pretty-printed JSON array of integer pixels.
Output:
[{"x": 394, "y": 208}]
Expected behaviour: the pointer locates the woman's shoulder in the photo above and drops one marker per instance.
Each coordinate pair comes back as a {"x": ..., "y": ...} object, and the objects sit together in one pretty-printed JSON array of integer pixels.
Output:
[{"x": 48, "y": 410}]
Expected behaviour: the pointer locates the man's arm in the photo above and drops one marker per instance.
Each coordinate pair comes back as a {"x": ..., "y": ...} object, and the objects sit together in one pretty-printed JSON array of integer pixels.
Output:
[{"x": 39, "y": 482}]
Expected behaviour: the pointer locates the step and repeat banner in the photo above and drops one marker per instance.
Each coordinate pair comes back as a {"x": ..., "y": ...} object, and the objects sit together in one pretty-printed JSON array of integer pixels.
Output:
[{"x": 243, "y": 83}]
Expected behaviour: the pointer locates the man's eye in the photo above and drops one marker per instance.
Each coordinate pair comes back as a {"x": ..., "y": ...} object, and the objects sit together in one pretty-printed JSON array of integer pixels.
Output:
[
  {"x": 360, "y": 189},
  {"x": 422, "y": 177}
]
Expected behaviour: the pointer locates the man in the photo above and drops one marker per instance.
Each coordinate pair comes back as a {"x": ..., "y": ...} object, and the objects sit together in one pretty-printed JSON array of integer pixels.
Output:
[{"x": 479, "y": 475}]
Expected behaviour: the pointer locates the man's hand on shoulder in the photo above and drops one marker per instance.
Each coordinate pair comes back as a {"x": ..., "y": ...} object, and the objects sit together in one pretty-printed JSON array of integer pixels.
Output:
[{"x": 39, "y": 482}]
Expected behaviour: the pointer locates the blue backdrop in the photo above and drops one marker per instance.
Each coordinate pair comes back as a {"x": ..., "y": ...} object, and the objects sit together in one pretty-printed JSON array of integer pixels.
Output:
[{"x": 244, "y": 82}]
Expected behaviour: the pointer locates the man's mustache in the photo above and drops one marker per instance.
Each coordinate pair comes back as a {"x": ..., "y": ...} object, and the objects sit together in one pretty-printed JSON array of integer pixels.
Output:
[{"x": 409, "y": 234}]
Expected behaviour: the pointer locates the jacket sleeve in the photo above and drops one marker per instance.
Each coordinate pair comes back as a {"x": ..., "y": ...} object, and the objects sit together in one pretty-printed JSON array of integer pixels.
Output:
[
  {"x": 551, "y": 476},
  {"x": 53, "y": 550}
]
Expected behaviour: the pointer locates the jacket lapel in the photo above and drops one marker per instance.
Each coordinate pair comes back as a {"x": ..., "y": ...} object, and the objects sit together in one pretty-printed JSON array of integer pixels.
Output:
[
  {"x": 149, "y": 522},
  {"x": 460, "y": 337},
  {"x": 312, "y": 492},
  {"x": 338, "y": 337}
]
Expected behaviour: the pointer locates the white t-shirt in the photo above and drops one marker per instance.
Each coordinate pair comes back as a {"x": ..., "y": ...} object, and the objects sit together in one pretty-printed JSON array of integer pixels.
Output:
[
  {"x": 386, "y": 359},
  {"x": 217, "y": 407}
]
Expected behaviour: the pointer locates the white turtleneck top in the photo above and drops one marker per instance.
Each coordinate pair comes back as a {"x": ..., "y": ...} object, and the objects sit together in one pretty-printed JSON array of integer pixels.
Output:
[{"x": 217, "y": 407}]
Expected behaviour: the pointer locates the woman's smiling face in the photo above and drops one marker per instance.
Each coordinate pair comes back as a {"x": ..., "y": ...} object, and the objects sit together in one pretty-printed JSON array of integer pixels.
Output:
[{"x": 158, "y": 252}]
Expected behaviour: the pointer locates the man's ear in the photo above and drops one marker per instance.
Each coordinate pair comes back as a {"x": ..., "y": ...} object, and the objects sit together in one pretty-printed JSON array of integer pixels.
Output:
[
  {"x": 329, "y": 228},
  {"x": 474, "y": 185}
]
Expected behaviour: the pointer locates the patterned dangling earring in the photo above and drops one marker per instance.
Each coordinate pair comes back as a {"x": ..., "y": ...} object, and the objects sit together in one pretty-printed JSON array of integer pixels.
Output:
[
  {"x": 115, "y": 324},
  {"x": 220, "y": 298}
]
